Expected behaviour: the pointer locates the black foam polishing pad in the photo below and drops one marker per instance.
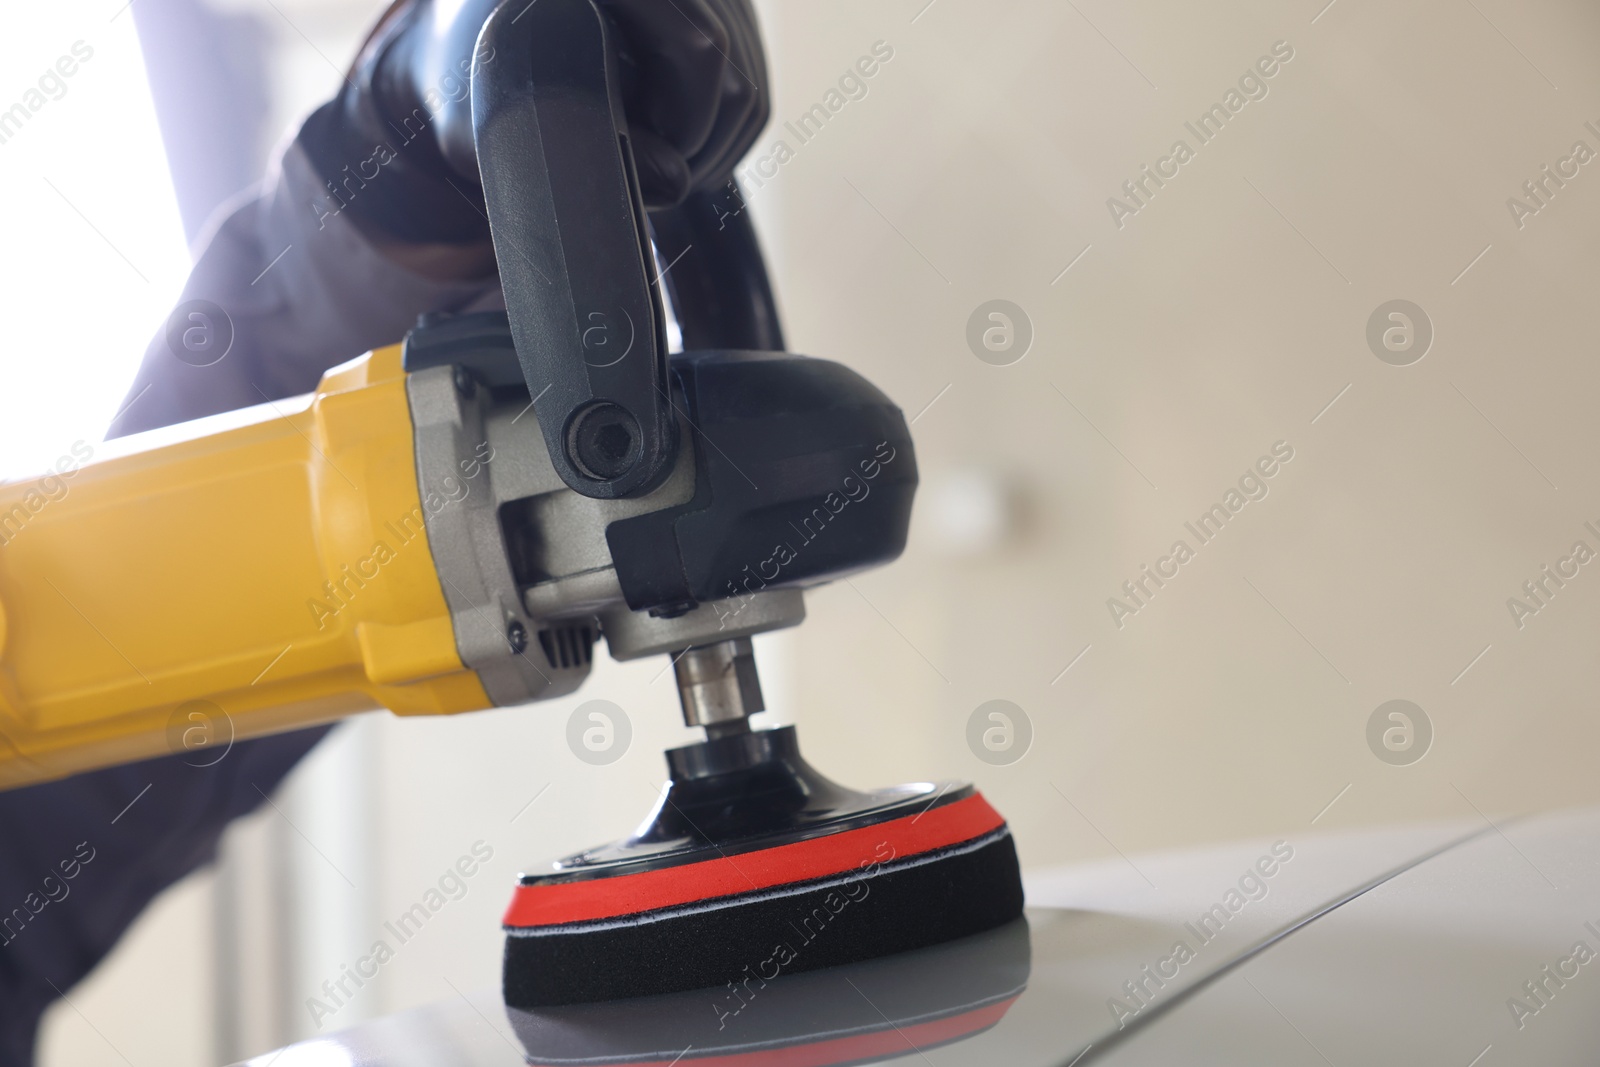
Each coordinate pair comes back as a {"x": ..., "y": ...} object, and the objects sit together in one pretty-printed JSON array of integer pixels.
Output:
[{"x": 920, "y": 868}]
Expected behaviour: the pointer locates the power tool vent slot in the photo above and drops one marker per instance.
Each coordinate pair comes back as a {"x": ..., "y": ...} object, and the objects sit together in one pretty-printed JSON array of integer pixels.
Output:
[{"x": 570, "y": 646}]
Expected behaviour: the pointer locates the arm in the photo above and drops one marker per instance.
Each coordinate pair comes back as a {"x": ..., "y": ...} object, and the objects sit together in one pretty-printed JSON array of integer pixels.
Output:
[
  {"x": 71, "y": 879},
  {"x": 303, "y": 289}
]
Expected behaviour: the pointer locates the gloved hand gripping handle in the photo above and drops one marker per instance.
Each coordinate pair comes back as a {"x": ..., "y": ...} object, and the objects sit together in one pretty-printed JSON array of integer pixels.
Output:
[{"x": 569, "y": 235}]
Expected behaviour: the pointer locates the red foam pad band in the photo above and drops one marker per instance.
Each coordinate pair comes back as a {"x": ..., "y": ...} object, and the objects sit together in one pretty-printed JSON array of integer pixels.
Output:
[{"x": 553, "y": 903}]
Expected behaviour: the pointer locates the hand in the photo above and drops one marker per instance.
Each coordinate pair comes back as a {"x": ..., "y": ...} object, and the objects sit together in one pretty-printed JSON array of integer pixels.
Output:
[
  {"x": 694, "y": 86},
  {"x": 697, "y": 98}
]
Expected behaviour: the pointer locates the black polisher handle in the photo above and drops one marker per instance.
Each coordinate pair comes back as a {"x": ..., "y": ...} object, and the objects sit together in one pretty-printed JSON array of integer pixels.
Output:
[
  {"x": 569, "y": 235},
  {"x": 717, "y": 277}
]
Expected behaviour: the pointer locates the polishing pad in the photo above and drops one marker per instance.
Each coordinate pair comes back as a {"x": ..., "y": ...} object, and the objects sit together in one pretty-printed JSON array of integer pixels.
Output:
[
  {"x": 905, "y": 1004},
  {"x": 753, "y": 864}
]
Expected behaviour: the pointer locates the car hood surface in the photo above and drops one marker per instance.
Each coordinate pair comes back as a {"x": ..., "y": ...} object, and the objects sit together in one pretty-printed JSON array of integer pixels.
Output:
[{"x": 1471, "y": 944}]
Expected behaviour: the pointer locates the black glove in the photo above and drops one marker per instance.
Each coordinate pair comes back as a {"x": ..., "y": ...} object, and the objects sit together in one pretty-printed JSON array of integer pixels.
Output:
[{"x": 396, "y": 145}]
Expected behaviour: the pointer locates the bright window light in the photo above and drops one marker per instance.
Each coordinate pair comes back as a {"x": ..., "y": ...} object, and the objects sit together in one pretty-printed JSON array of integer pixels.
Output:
[{"x": 93, "y": 254}]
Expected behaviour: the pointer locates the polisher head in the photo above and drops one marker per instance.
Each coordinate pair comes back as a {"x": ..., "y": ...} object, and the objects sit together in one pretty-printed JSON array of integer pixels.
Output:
[{"x": 753, "y": 864}]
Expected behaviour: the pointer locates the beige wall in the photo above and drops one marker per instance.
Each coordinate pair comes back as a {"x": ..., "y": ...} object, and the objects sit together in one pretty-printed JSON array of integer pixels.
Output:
[{"x": 1220, "y": 319}]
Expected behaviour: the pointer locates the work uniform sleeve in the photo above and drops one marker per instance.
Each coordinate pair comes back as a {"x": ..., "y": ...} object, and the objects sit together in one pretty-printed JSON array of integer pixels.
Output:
[
  {"x": 81, "y": 858},
  {"x": 286, "y": 287}
]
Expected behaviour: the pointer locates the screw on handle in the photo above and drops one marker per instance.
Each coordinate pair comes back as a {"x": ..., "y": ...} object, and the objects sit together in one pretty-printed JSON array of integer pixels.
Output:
[{"x": 570, "y": 238}]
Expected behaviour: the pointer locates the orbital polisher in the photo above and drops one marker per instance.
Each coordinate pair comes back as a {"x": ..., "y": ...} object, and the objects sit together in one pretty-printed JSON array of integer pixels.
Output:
[
  {"x": 752, "y": 862},
  {"x": 676, "y": 506}
]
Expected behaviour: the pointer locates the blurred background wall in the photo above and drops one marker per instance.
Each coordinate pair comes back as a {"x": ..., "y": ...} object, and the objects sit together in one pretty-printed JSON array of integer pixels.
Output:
[{"x": 1160, "y": 337}]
